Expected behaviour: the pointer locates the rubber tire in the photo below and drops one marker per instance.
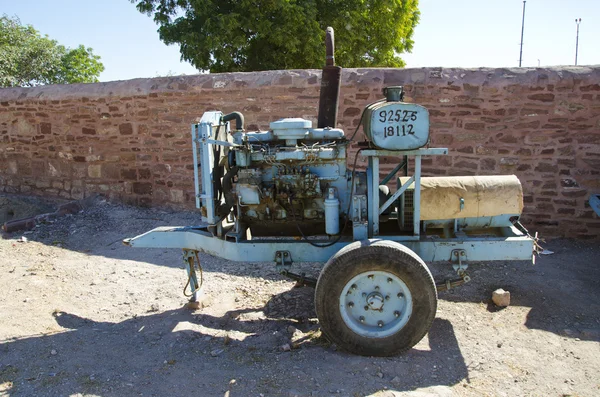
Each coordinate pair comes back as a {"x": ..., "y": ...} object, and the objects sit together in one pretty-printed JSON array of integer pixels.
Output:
[{"x": 375, "y": 255}]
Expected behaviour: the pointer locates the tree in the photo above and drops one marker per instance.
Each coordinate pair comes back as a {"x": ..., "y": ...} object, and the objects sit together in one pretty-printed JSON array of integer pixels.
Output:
[
  {"x": 247, "y": 35},
  {"x": 28, "y": 59}
]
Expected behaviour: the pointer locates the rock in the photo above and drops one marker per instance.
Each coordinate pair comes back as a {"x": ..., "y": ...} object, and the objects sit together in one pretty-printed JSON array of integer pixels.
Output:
[
  {"x": 216, "y": 352},
  {"x": 53, "y": 352},
  {"x": 252, "y": 316},
  {"x": 285, "y": 348},
  {"x": 396, "y": 381},
  {"x": 501, "y": 298},
  {"x": 380, "y": 374}
]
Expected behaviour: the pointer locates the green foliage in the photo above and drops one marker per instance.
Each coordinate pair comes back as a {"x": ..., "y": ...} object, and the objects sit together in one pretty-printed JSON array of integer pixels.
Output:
[
  {"x": 247, "y": 35},
  {"x": 28, "y": 59}
]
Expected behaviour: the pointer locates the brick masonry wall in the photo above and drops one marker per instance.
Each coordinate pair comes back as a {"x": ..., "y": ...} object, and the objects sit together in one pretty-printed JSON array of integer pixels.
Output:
[{"x": 130, "y": 140}]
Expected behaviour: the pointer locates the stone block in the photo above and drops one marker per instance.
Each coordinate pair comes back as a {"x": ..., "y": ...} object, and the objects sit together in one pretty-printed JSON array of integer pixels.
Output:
[
  {"x": 177, "y": 196},
  {"x": 95, "y": 171},
  {"x": 142, "y": 188},
  {"x": 501, "y": 297}
]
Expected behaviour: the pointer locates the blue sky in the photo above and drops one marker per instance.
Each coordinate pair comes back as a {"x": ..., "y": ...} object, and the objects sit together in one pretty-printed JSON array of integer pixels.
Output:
[{"x": 467, "y": 33}]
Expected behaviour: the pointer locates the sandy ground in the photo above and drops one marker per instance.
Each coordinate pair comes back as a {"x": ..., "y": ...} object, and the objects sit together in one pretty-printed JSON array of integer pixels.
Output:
[{"x": 81, "y": 314}]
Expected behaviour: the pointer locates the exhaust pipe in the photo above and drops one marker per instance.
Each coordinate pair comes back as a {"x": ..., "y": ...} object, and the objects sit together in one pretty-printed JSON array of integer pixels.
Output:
[{"x": 330, "y": 86}]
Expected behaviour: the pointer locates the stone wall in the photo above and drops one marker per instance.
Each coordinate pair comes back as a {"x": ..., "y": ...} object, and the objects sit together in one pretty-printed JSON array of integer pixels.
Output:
[{"x": 130, "y": 140}]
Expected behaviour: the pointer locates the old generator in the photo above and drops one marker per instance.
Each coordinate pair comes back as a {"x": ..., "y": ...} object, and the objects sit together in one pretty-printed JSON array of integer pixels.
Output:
[{"x": 289, "y": 195}]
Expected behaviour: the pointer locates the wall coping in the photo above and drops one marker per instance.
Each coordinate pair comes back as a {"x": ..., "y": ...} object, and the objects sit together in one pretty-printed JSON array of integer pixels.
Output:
[{"x": 300, "y": 78}]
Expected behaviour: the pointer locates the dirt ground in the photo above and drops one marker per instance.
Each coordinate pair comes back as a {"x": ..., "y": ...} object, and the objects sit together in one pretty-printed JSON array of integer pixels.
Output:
[{"x": 81, "y": 314}]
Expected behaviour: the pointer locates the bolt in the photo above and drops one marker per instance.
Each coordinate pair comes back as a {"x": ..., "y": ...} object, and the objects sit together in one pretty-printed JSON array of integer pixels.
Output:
[
  {"x": 366, "y": 307},
  {"x": 362, "y": 319},
  {"x": 397, "y": 313},
  {"x": 400, "y": 294},
  {"x": 387, "y": 297},
  {"x": 380, "y": 323},
  {"x": 350, "y": 304},
  {"x": 285, "y": 254},
  {"x": 390, "y": 280},
  {"x": 462, "y": 253}
]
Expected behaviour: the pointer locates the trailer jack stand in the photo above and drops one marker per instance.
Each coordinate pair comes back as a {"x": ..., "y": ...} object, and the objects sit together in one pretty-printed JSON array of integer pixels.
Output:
[{"x": 195, "y": 279}]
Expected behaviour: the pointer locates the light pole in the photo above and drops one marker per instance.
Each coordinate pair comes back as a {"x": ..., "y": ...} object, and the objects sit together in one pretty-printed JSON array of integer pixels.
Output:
[
  {"x": 577, "y": 22},
  {"x": 522, "y": 30}
]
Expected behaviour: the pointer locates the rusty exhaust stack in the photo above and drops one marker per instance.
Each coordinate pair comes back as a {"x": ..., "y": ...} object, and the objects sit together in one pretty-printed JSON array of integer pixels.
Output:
[{"x": 330, "y": 86}]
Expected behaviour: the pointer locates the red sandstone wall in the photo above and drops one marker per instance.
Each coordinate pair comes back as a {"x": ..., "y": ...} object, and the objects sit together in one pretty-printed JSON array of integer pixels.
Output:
[{"x": 130, "y": 140}]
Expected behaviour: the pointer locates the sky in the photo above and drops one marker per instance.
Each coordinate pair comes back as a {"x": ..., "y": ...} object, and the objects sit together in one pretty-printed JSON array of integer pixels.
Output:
[{"x": 451, "y": 33}]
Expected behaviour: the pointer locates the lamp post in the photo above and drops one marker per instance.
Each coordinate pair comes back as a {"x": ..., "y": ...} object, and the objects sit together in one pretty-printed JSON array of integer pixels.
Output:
[
  {"x": 577, "y": 22},
  {"x": 522, "y": 31}
]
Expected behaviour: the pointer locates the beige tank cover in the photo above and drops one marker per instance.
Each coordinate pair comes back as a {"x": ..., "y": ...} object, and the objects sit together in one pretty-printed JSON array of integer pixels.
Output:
[{"x": 483, "y": 195}]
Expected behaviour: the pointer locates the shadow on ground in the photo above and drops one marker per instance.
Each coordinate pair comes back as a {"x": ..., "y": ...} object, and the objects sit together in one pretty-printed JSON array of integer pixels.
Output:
[
  {"x": 562, "y": 289},
  {"x": 173, "y": 353}
]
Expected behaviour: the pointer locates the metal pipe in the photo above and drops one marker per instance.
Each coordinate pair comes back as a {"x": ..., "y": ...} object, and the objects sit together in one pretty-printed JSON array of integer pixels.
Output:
[
  {"x": 577, "y": 21},
  {"x": 522, "y": 31},
  {"x": 330, "y": 86},
  {"x": 329, "y": 47},
  {"x": 238, "y": 117}
]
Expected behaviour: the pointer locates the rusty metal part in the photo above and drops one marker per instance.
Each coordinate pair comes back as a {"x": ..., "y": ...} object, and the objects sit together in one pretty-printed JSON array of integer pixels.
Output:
[
  {"x": 72, "y": 207},
  {"x": 449, "y": 284},
  {"x": 330, "y": 86},
  {"x": 301, "y": 279}
]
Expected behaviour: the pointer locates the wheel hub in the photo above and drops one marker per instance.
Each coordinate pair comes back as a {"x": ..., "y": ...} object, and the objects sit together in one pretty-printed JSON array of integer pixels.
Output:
[
  {"x": 375, "y": 301},
  {"x": 375, "y": 304}
]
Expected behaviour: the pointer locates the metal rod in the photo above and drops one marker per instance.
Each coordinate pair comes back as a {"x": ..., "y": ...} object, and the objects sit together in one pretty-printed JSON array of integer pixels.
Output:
[
  {"x": 396, "y": 195},
  {"x": 417, "y": 197},
  {"x": 577, "y": 21},
  {"x": 522, "y": 31},
  {"x": 393, "y": 173}
]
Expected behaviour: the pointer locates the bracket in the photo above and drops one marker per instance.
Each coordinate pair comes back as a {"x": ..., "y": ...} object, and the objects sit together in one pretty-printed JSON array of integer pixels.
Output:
[
  {"x": 283, "y": 260},
  {"x": 459, "y": 255}
]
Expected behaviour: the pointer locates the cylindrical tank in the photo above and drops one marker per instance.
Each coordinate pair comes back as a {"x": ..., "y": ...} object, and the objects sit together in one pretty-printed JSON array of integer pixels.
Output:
[
  {"x": 332, "y": 213},
  {"x": 396, "y": 125}
]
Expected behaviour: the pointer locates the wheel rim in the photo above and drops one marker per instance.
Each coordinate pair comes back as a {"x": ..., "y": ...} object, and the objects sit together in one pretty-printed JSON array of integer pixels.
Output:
[{"x": 375, "y": 304}]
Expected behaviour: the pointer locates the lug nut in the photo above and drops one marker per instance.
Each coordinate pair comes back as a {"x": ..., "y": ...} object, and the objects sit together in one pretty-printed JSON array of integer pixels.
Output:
[
  {"x": 353, "y": 286},
  {"x": 390, "y": 280},
  {"x": 364, "y": 294},
  {"x": 400, "y": 295},
  {"x": 397, "y": 313},
  {"x": 370, "y": 276},
  {"x": 380, "y": 323},
  {"x": 366, "y": 307},
  {"x": 350, "y": 304},
  {"x": 362, "y": 319},
  {"x": 387, "y": 297}
]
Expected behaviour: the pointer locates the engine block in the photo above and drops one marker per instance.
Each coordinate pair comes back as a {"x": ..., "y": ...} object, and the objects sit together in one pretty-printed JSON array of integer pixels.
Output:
[{"x": 284, "y": 176}]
